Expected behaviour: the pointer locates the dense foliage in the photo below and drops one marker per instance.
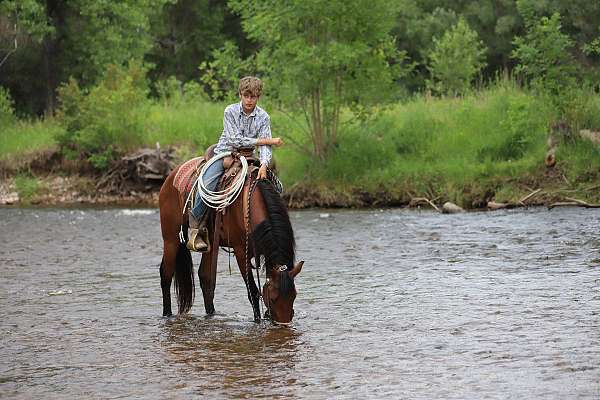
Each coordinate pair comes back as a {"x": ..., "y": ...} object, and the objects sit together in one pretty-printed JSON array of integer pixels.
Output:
[{"x": 329, "y": 66}]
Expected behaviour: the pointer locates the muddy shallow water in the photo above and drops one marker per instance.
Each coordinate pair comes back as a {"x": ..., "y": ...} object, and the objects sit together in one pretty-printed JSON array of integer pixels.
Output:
[{"x": 391, "y": 304}]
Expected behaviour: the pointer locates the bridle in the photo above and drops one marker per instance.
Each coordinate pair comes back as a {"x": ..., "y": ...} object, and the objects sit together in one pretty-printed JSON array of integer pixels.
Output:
[
  {"x": 268, "y": 302},
  {"x": 268, "y": 283}
]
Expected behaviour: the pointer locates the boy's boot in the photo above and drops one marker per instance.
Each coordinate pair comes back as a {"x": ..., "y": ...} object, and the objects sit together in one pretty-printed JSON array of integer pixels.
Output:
[{"x": 198, "y": 237}]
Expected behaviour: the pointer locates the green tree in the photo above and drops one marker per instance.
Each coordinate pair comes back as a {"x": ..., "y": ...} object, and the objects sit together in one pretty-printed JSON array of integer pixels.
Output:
[
  {"x": 495, "y": 21},
  {"x": 415, "y": 28},
  {"x": 579, "y": 22},
  {"x": 321, "y": 56},
  {"x": 185, "y": 33},
  {"x": 544, "y": 54},
  {"x": 77, "y": 38},
  {"x": 455, "y": 60},
  {"x": 23, "y": 26},
  {"x": 221, "y": 75}
]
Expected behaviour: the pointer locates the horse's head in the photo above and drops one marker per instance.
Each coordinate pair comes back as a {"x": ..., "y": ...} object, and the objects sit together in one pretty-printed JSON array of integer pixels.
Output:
[{"x": 279, "y": 293}]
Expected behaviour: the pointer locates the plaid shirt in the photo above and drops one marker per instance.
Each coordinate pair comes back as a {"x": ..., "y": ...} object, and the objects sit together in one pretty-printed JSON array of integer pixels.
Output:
[{"x": 241, "y": 130}]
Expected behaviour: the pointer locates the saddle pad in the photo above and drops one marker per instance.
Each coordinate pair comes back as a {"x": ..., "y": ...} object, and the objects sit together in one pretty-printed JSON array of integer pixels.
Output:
[{"x": 186, "y": 175}]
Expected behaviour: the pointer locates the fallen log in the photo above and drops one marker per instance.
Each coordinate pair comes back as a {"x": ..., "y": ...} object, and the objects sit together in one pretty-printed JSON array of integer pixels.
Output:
[
  {"x": 574, "y": 203},
  {"x": 492, "y": 205}
]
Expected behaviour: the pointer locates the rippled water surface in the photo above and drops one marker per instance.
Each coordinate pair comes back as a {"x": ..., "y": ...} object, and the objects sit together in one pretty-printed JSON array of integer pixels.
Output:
[{"x": 391, "y": 304}]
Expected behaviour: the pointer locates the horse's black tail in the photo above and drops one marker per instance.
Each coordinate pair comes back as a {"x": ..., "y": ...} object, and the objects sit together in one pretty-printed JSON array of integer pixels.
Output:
[{"x": 184, "y": 279}]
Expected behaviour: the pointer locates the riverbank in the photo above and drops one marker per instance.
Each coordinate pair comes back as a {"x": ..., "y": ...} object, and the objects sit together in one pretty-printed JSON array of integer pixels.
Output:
[
  {"x": 501, "y": 145},
  {"x": 52, "y": 181}
]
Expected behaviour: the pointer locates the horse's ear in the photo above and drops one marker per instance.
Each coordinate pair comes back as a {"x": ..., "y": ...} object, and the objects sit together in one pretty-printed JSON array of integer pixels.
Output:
[{"x": 297, "y": 268}]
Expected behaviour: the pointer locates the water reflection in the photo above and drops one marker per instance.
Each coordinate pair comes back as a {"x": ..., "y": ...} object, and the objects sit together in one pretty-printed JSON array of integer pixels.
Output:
[
  {"x": 391, "y": 304},
  {"x": 233, "y": 356}
]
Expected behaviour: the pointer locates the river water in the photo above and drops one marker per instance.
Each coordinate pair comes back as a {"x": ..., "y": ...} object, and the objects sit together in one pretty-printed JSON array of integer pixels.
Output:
[{"x": 391, "y": 304}]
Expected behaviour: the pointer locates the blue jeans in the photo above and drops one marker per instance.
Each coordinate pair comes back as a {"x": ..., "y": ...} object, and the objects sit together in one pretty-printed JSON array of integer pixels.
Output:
[{"x": 211, "y": 180}]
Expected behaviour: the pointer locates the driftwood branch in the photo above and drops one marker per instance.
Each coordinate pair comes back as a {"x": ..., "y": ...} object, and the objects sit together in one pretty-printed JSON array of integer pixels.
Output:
[
  {"x": 140, "y": 171},
  {"x": 417, "y": 201},
  {"x": 492, "y": 205},
  {"x": 530, "y": 195},
  {"x": 573, "y": 202}
]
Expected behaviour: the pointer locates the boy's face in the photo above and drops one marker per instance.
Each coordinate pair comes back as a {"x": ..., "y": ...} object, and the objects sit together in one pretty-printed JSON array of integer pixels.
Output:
[{"x": 249, "y": 101}]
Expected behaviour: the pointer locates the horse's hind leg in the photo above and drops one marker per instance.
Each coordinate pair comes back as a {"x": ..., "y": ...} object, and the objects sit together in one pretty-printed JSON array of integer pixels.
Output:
[
  {"x": 167, "y": 268},
  {"x": 246, "y": 271},
  {"x": 208, "y": 278}
]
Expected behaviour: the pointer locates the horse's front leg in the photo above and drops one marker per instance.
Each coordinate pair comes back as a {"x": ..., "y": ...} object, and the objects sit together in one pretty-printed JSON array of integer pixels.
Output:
[
  {"x": 245, "y": 267},
  {"x": 207, "y": 274}
]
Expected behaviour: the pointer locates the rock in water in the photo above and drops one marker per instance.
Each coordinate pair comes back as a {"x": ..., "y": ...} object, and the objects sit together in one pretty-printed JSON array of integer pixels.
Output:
[{"x": 451, "y": 208}]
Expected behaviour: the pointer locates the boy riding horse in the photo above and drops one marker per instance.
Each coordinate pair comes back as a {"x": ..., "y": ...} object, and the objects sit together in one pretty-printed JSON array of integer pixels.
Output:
[{"x": 245, "y": 125}]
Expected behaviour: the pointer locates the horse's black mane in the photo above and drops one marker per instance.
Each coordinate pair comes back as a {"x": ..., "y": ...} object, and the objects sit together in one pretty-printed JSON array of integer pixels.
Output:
[{"x": 274, "y": 237}]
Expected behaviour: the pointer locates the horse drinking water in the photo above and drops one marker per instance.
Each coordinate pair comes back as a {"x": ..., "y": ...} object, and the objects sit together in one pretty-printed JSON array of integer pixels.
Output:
[{"x": 255, "y": 225}]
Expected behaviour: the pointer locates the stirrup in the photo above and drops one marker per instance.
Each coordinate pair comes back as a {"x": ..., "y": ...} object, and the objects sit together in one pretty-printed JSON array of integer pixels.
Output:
[{"x": 196, "y": 242}]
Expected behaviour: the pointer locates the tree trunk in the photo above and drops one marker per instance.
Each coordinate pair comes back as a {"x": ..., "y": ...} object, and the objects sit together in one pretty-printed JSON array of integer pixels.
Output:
[
  {"x": 335, "y": 119},
  {"x": 55, "y": 12},
  {"x": 317, "y": 125},
  {"x": 48, "y": 75}
]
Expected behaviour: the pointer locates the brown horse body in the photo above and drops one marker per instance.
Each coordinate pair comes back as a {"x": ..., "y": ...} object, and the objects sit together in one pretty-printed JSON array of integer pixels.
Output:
[{"x": 270, "y": 236}]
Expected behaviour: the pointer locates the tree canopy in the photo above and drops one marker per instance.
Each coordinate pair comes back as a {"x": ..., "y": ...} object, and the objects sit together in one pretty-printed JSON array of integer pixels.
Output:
[{"x": 324, "y": 60}]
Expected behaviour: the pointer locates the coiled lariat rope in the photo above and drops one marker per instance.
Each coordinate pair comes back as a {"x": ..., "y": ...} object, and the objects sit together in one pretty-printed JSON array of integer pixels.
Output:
[{"x": 220, "y": 199}]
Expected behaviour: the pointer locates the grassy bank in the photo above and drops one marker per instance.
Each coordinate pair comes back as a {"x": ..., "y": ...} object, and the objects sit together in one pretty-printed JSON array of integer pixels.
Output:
[
  {"x": 20, "y": 139},
  {"x": 486, "y": 146}
]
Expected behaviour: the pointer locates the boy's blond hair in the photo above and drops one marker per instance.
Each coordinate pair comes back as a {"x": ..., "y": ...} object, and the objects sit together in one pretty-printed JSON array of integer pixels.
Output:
[{"x": 250, "y": 84}]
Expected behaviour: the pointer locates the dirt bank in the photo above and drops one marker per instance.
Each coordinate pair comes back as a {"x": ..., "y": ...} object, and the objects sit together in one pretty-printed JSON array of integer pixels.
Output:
[{"x": 47, "y": 179}]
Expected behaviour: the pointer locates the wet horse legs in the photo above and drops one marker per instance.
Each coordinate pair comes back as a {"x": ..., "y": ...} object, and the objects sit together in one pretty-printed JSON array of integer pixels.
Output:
[
  {"x": 253, "y": 296},
  {"x": 208, "y": 277},
  {"x": 167, "y": 268}
]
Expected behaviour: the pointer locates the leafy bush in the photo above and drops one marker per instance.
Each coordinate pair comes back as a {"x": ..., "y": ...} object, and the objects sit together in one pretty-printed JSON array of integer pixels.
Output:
[
  {"x": 7, "y": 111},
  {"x": 171, "y": 91},
  {"x": 518, "y": 126},
  {"x": 27, "y": 187},
  {"x": 455, "y": 60},
  {"x": 106, "y": 119}
]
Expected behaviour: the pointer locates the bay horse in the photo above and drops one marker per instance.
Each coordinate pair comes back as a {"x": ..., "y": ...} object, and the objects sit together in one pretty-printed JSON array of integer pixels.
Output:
[{"x": 264, "y": 233}]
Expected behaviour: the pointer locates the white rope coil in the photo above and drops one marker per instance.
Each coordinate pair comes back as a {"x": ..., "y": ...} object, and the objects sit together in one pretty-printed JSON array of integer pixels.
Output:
[{"x": 220, "y": 199}]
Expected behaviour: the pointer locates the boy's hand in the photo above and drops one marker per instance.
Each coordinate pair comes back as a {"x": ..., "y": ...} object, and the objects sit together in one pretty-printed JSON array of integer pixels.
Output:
[
  {"x": 276, "y": 141},
  {"x": 262, "y": 172}
]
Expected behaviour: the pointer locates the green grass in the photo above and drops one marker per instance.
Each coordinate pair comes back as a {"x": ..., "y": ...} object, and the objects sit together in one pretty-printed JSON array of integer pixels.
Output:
[
  {"x": 452, "y": 149},
  {"x": 440, "y": 142},
  {"x": 462, "y": 150},
  {"x": 25, "y": 137},
  {"x": 196, "y": 124}
]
